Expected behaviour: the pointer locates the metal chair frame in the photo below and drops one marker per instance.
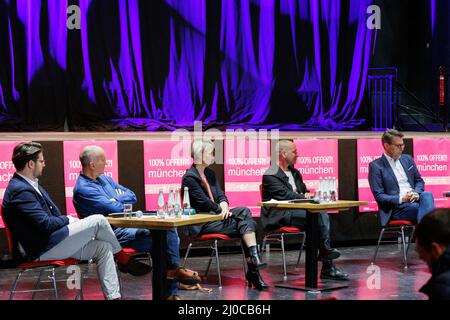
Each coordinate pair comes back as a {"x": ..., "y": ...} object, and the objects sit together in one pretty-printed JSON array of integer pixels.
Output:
[
  {"x": 214, "y": 253},
  {"x": 279, "y": 236}
]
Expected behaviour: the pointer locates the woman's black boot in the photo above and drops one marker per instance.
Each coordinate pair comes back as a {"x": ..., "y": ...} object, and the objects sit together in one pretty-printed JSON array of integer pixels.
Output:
[
  {"x": 254, "y": 278},
  {"x": 255, "y": 258}
]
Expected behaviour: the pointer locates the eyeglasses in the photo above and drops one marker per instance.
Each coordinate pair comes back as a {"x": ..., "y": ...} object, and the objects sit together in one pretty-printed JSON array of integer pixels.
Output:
[{"x": 400, "y": 146}]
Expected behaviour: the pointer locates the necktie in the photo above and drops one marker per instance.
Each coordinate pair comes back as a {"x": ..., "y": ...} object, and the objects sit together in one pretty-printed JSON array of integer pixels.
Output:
[{"x": 208, "y": 188}]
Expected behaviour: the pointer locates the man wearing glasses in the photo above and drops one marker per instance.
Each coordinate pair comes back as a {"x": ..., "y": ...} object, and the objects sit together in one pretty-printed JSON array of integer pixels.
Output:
[{"x": 396, "y": 183}]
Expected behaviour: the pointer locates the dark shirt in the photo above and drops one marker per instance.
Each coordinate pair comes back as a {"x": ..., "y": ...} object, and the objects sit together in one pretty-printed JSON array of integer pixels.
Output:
[{"x": 438, "y": 287}]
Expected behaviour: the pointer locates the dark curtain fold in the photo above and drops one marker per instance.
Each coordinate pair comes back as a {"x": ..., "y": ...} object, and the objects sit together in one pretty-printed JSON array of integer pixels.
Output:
[{"x": 163, "y": 64}]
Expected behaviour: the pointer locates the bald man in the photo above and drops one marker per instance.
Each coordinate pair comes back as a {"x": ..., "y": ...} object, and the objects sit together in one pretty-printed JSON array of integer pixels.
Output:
[
  {"x": 96, "y": 193},
  {"x": 284, "y": 182}
]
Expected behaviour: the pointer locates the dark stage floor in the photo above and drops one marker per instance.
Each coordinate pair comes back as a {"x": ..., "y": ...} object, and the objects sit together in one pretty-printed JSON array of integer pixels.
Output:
[{"x": 396, "y": 283}]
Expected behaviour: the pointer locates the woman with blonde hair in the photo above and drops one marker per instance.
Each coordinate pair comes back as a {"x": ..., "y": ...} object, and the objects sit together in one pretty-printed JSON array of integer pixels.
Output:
[{"x": 206, "y": 196}]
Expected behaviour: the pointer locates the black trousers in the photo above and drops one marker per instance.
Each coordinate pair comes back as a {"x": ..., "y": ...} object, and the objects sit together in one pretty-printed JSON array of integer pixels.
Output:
[
  {"x": 238, "y": 224},
  {"x": 297, "y": 218}
]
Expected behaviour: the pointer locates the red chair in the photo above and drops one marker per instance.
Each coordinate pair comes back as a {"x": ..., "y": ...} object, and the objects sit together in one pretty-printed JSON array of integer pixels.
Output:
[
  {"x": 215, "y": 238},
  {"x": 41, "y": 266},
  {"x": 279, "y": 235},
  {"x": 399, "y": 228}
]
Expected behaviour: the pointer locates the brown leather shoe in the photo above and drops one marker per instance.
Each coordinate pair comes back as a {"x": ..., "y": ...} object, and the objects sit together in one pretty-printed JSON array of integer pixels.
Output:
[
  {"x": 174, "y": 297},
  {"x": 183, "y": 275},
  {"x": 135, "y": 268}
]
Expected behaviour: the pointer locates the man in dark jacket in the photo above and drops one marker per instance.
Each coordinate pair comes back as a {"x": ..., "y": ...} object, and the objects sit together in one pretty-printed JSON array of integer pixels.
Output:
[
  {"x": 284, "y": 182},
  {"x": 433, "y": 246}
]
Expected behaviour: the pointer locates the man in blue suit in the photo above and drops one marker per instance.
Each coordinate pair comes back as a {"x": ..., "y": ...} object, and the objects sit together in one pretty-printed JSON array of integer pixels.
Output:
[
  {"x": 396, "y": 183},
  {"x": 40, "y": 232}
]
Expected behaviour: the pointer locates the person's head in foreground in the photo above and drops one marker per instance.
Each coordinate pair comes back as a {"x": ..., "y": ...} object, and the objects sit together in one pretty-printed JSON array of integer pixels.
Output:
[{"x": 432, "y": 245}]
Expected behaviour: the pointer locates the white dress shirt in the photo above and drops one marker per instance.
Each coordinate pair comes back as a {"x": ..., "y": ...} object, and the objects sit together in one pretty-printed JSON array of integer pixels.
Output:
[
  {"x": 34, "y": 184},
  {"x": 401, "y": 176}
]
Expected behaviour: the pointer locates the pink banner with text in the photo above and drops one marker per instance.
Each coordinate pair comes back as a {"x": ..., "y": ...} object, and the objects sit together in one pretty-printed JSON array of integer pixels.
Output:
[
  {"x": 317, "y": 158},
  {"x": 432, "y": 160},
  {"x": 72, "y": 166},
  {"x": 6, "y": 168},
  {"x": 245, "y": 162},
  {"x": 367, "y": 151},
  {"x": 165, "y": 163}
]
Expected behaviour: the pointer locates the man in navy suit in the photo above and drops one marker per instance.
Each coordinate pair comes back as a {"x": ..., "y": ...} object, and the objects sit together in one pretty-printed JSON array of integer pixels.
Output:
[
  {"x": 396, "y": 183},
  {"x": 41, "y": 232}
]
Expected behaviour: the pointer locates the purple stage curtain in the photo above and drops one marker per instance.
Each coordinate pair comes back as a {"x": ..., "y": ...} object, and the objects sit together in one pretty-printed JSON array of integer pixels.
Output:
[{"x": 163, "y": 64}]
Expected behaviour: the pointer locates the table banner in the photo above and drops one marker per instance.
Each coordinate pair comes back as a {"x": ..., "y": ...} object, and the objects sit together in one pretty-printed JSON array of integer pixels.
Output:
[
  {"x": 367, "y": 151},
  {"x": 165, "y": 163},
  {"x": 432, "y": 160},
  {"x": 7, "y": 168},
  {"x": 72, "y": 166},
  {"x": 246, "y": 160}
]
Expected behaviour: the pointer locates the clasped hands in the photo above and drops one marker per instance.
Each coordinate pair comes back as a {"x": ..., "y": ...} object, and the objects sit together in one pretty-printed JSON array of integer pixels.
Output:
[{"x": 411, "y": 196}]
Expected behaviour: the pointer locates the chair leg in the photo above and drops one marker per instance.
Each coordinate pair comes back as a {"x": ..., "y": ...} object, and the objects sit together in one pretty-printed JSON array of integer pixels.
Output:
[
  {"x": 413, "y": 228},
  {"x": 301, "y": 249},
  {"x": 187, "y": 254},
  {"x": 284, "y": 257},
  {"x": 37, "y": 284},
  {"x": 378, "y": 245},
  {"x": 243, "y": 259},
  {"x": 16, "y": 281},
  {"x": 263, "y": 249},
  {"x": 402, "y": 230},
  {"x": 216, "y": 249},
  {"x": 84, "y": 275},
  {"x": 213, "y": 248},
  {"x": 53, "y": 278}
]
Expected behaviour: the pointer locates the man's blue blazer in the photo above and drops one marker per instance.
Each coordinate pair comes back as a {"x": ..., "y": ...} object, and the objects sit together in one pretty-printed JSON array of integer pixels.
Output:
[
  {"x": 34, "y": 220},
  {"x": 384, "y": 185}
]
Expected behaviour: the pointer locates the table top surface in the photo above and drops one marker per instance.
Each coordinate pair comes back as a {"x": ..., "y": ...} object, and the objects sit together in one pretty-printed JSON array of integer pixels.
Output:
[
  {"x": 315, "y": 207},
  {"x": 162, "y": 224}
]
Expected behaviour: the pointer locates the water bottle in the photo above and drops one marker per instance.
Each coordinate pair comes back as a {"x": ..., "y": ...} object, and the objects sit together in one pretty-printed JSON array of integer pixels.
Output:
[
  {"x": 160, "y": 212},
  {"x": 170, "y": 204},
  {"x": 326, "y": 189},
  {"x": 333, "y": 197},
  {"x": 186, "y": 202},
  {"x": 177, "y": 203},
  {"x": 319, "y": 192}
]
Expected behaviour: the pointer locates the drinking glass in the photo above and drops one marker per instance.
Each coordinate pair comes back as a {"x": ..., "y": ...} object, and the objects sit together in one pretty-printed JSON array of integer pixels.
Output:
[{"x": 127, "y": 210}]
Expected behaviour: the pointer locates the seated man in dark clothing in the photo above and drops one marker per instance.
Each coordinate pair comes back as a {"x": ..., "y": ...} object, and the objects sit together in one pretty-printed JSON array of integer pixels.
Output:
[
  {"x": 433, "y": 246},
  {"x": 284, "y": 182},
  {"x": 206, "y": 196},
  {"x": 95, "y": 193}
]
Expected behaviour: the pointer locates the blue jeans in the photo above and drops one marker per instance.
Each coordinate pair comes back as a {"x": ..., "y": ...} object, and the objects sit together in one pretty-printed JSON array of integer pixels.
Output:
[
  {"x": 141, "y": 240},
  {"x": 414, "y": 211}
]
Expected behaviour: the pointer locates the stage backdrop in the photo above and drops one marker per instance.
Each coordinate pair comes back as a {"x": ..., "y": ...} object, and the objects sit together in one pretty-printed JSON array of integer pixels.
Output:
[
  {"x": 160, "y": 65},
  {"x": 72, "y": 166},
  {"x": 6, "y": 168},
  {"x": 368, "y": 150},
  {"x": 165, "y": 163},
  {"x": 246, "y": 160},
  {"x": 432, "y": 160}
]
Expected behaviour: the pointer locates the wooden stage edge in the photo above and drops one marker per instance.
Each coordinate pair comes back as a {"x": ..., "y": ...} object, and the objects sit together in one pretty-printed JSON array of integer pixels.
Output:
[{"x": 67, "y": 136}]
